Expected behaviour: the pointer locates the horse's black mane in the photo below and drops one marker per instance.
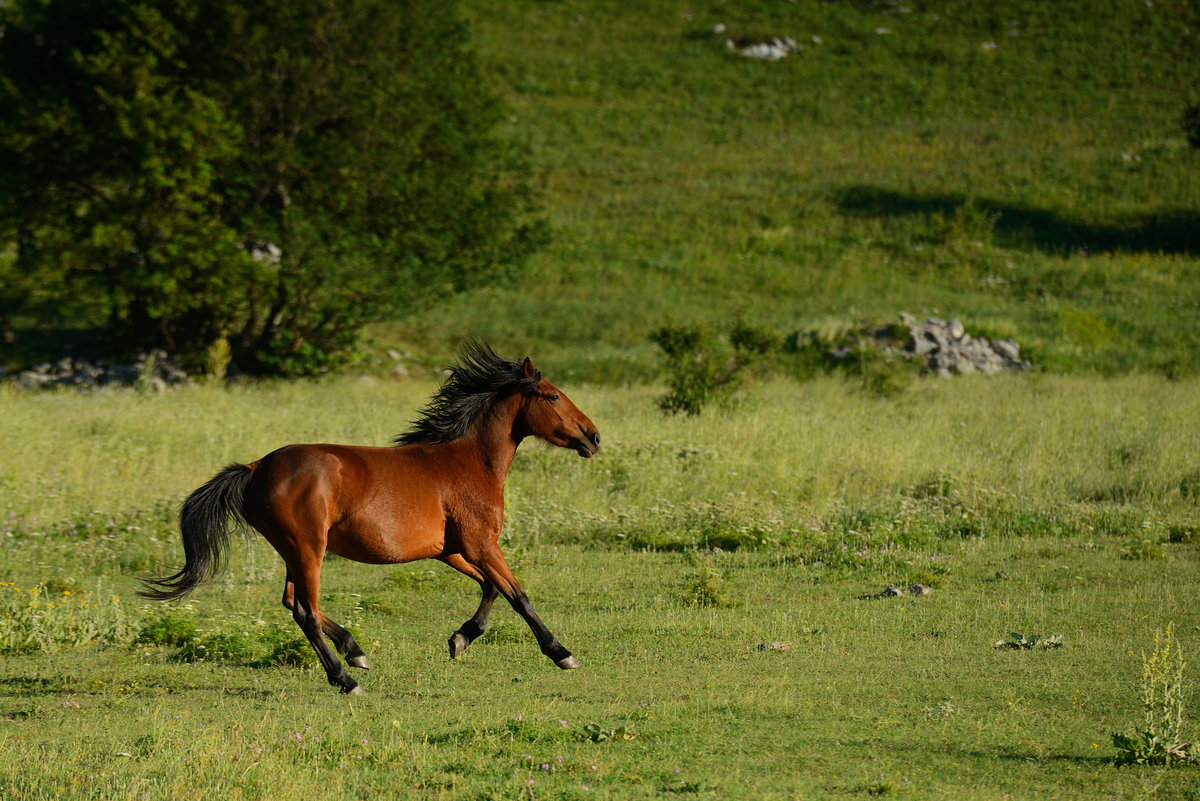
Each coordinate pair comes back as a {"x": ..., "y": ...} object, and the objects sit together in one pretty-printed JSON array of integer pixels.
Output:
[{"x": 479, "y": 374}]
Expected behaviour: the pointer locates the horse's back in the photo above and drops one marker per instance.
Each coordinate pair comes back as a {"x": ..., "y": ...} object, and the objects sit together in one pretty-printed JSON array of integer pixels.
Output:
[{"x": 376, "y": 505}]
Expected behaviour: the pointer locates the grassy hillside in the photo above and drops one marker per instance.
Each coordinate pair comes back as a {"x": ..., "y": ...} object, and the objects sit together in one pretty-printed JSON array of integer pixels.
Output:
[{"x": 1042, "y": 188}]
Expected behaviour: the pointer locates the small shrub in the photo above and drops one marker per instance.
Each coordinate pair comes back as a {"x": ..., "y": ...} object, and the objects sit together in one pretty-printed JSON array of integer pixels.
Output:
[
  {"x": 217, "y": 363},
  {"x": 699, "y": 371},
  {"x": 706, "y": 588},
  {"x": 753, "y": 340},
  {"x": 170, "y": 629},
  {"x": 293, "y": 652},
  {"x": 1142, "y": 550},
  {"x": 1183, "y": 534},
  {"x": 1158, "y": 741}
]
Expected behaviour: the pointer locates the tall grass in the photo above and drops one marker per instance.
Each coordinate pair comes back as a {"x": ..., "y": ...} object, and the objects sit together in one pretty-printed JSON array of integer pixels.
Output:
[{"x": 788, "y": 450}]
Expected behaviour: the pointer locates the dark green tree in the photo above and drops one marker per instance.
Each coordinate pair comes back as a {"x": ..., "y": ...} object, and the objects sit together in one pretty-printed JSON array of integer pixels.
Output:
[{"x": 277, "y": 171}]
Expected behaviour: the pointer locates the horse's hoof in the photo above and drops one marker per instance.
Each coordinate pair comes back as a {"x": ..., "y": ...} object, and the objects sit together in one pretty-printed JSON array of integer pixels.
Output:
[
  {"x": 359, "y": 661},
  {"x": 458, "y": 644},
  {"x": 567, "y": 663},
  {"x": 356, "y": 690}
]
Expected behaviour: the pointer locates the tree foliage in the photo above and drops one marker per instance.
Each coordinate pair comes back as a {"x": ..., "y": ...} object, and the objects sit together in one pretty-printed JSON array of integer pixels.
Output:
[{"x": 276, "y": 171}]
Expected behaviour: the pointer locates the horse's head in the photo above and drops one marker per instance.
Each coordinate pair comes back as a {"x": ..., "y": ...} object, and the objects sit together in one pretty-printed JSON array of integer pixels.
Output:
[{"x": 550, "y": 415}]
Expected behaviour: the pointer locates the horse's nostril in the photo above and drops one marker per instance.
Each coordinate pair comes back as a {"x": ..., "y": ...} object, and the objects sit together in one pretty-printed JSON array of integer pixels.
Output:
[{"x": 596, "y": 439}]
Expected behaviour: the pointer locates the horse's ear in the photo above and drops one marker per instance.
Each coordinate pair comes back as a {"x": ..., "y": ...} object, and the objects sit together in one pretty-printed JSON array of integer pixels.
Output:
[{"x": 527, "y": 368}]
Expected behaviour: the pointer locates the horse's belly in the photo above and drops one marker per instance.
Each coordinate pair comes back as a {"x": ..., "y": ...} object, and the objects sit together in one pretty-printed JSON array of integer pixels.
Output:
[{"x": 376, "y": 545}]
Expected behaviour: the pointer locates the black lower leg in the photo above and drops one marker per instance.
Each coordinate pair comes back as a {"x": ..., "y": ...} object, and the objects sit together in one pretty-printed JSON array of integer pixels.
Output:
[
  {"x": 345, "y": 644},
  {"x": 335, "y": 671},
  {"x": 474, "y": 628},
  {"x": 546, "y": 640}
]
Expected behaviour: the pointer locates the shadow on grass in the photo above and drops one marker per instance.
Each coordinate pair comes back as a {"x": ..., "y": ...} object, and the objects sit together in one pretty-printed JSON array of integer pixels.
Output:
[
  {"x": 27, "y": 686},
  {"x": 1021, "y": 755},
  {"x": 1176, "y": 232}
]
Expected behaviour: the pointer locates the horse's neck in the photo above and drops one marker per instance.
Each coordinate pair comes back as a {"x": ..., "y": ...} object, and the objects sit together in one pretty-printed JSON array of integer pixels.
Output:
[{"x": 496, "y": 438}]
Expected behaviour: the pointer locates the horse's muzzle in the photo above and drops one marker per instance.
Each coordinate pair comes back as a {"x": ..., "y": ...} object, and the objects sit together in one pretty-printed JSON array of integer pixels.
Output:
[{"x": 588, "y": 446}]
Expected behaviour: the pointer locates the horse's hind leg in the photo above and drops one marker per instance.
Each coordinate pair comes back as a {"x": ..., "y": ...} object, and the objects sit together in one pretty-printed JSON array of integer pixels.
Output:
[
  {"x": 495, "y": 569},
  {"x": 343, "y": 640},
  {"x": 477, "y": 625},
  {"x": 308, "y": 617}
]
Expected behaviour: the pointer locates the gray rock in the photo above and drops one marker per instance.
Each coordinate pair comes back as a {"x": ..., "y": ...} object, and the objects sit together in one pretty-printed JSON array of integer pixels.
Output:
[
  {"x": 30, "y": 379},
  {"x": 955, "y": 329},
  {"x": 919, "y": 590},
  {"x": 1007, "y": 349},
  {"x": 924, "y": 345},
  {"x": 891, "y": 592}
]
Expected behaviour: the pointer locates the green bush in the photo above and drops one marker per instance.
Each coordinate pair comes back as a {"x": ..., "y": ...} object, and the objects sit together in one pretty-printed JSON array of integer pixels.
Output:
[
  {"x": 279, "y": 172},
  {"x": 293, "y": 652},
  {"x": 699, "y": 369},
  {"x": 170, "y": 629}
]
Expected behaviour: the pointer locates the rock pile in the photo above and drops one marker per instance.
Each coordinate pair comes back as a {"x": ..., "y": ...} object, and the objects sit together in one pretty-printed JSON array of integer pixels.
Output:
[
  {"x": 158, "y": 371},
  {"x": 915, "y": 591},
  {"x": 947, "y": 349},
  {"x": 773, "y": 49}
]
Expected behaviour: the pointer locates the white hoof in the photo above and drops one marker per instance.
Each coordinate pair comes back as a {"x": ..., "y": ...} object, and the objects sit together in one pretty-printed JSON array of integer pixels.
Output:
[
  {"x": 358, "y": 662},
  {"x": 458, "y": 644},
  {"x": 359, "y": 691},
  {"x": 568, "y": 663}
]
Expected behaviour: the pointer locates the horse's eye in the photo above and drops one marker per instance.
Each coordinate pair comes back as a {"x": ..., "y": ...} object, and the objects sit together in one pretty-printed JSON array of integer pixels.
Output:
[{"x": 552, "y": 398}]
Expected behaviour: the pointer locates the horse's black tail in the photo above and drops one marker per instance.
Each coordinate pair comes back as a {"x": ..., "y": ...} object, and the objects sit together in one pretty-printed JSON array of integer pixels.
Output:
[{"x": 204, "y": 521}]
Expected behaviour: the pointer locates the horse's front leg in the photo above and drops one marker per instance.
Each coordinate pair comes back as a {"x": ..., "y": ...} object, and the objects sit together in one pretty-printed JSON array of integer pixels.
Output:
[
  {"x": 495, "y": 569},
  {"x": 474, "y": 628}
]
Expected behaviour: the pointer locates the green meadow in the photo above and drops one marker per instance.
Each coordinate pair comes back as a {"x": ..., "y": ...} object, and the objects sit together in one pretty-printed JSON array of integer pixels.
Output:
[
  {"x": 1038, "y": 505},
  {"x": 1041, "y": 188}
]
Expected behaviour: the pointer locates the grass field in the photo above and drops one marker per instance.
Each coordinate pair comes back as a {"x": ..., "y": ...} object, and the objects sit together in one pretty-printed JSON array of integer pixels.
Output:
[
  {"x": 1041, "y": 189},
  {"x": 1040, "y": 505}
]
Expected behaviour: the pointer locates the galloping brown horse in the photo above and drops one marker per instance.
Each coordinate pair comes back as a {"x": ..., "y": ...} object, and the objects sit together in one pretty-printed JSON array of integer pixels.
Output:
[{"x": 439, "y": 494}]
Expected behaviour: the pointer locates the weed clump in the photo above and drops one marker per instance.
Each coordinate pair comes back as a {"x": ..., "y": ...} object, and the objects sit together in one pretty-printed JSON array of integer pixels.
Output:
[
  {"x": 293, "y": 652},
  {"x": 1158, "y": 741},
  {"x": 706, "y": 588},
  {"x": 1141, "y": 550},
  {"x": 170, "y": 629},
  {"x": 37, "y": 619},
  {"x": 1034, "y": 642}
]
